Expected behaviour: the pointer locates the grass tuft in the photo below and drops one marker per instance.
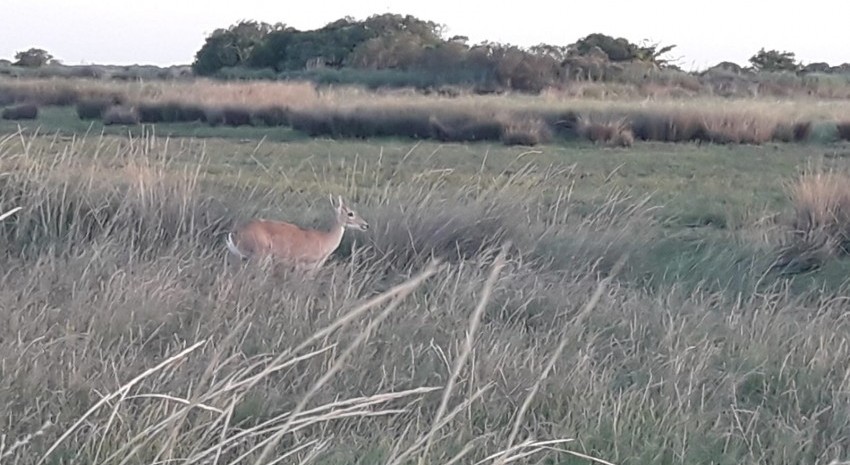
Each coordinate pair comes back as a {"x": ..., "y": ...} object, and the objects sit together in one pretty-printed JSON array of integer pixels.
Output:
[
  {"x": 20, "y": 112},
  {"x": 843, "y": 130},
  {"x": 120, "y": 115},
  {"x": 822, "y": 210}
]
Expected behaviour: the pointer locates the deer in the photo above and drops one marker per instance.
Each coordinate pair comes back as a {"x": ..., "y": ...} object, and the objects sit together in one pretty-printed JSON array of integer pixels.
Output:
[{"x": 305, "y": 250}]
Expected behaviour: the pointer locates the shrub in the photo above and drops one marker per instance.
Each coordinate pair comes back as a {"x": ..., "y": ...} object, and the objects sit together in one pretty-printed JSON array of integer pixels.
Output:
[
  {"x": 822, "y": 211},
  {"x": 792, "y": 132},
  {"x": 236, "y": 116},
  {"x": 526, "y": 131},
  {"x": 363, "y": 122},
  {"x": 149, "y": 113},
  {"x": 843, "y": 130},
  {"x": 20, "y": 112},
  {"x": 671, "y": 127},
  {"x": 170, "y": 112},
  {"x": 189, "y": 113},
  {"x": 272, "y": 116},
  {"x": 383, "y": 122},
  {"x": 738, "y": 129},
  {"x": 624, "y": 138},
  {"x": 92, "y": 108},
  {"x": 120, "y": 115},
  {"x": 802, "y": 131},
  {"x": 465, "y": 128},
  {"x": 313, "y": 122},
  {"x": 214, "y": 116},
  {"x": 609, "y": 131},
  {"x": 561, "y": 123}
]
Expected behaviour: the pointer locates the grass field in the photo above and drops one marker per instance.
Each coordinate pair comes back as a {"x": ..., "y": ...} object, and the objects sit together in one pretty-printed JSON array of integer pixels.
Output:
[{"x": 634, "y": 318}]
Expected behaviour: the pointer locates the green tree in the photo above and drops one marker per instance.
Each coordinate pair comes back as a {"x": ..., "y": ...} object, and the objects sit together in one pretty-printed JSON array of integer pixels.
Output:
[
  {"x": 556, "y": 52},
  {"x": 232, "y": 46},
  {"x": 291, "y": 50},
  {"x": 388, "y": 24},
  {"x": 33, "y": 58},
  {"x": 620, "y": 49},
  {"x": 653, "y": 53},
  {"x": 617, "y": 49},
  {"x": 396, "y": 41},
  {"x": 774, "y": 60}
]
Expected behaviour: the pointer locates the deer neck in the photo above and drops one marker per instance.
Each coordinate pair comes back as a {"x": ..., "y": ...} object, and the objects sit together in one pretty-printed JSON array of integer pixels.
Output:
[{"x": 335, "y": 234}]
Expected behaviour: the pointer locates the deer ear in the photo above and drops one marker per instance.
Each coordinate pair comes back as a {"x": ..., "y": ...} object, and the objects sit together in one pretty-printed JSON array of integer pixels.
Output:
[
  {"x": 331, "y": 199},
  {"x": 340, "y": 200}
]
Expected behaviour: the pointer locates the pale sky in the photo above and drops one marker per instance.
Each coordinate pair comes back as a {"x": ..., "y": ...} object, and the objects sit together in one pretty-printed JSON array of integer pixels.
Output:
[{"x": 170, "y": 32}]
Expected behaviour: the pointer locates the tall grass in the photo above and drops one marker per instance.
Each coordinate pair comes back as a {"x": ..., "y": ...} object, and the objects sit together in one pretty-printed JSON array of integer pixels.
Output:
[
  {"x": 820, "y": 226},
  {"x": 359, "y": 113},
  {"x": 126, "y": 336}
]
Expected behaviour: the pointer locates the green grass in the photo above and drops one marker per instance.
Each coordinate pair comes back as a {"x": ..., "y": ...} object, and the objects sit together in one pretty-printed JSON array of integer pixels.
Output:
[{"x": 692, "y": 354}]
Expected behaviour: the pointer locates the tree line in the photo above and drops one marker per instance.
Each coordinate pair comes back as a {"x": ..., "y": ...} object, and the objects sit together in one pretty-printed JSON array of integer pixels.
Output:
[
  {"x": 402, "y": 50},
  {"x": 393, "y": 43}
]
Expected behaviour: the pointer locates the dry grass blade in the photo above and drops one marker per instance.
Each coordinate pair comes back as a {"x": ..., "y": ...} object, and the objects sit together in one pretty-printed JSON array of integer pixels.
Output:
[
  {"x": 176, "y": 399},
  {"x": 9, "y": 213},
  {"x": 7, "y": 452},
  {"x": 400, "y": 458},
  {"x": 537, "y": 446},
  {"x": 474, "y": 321},
  {"x": 403, "y": 288},
  {"x": 567, "y": 335},
  {"x": 358, "y": 406},
  {"x": 580, "y": 455},
  {"x": 120, "y": 392},
  {"x": 398, "y": 294}
]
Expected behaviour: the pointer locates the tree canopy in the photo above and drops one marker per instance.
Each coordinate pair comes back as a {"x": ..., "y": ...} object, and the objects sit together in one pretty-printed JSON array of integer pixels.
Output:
[
  {"x": 774, "y": 60},
  {"x": 33, "y": 58}
]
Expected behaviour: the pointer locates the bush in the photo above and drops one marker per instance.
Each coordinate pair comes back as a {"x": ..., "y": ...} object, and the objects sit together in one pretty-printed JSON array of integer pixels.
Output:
[
  {"x": 564, "y": 123},
  {"x": 272, "y": 116},
  {"x": 608, "y": 131},
  {"x": 149, "y": 113},
  {"x": 363, "y": 123},
  {"x": 526, "y": 131},
  {"x": 671, "y": 127},
  {"x": 792, "y": 132},
  {"x": 92, "y": 109},
  {"x": 230, "y": 116},
  {"x": 738, "y": 129},
  {"x": 802, "y": 131},
  {"x": 214, "y": 116},
  {"x": 236, "y": 116},
  {"x": 821, "y": 222},
  {"x": 466, "y": 128},
  {"x": 383, "y": 122},
  {"x": 170, "y": 112},
  {"x": 20, "y": 112},
  {"x": 843, "y": 130},
  {"x": 120, "y": 115}
]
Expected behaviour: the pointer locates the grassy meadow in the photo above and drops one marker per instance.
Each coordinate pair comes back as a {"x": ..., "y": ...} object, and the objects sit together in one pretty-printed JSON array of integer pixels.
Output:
[{"x": 567, "y": 302}]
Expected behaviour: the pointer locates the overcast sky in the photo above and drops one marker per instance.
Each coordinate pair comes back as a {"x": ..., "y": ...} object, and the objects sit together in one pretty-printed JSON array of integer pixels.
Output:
[{"x": 170, "y": 32}]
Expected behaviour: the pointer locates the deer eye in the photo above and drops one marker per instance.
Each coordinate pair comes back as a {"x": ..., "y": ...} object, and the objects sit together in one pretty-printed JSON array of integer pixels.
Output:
[{"x": 351, "y": 214}]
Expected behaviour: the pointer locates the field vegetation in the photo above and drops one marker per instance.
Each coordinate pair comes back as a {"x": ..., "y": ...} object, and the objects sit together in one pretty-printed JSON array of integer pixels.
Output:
[
  {"x": 351, "y": 112},
  {"x": 624, "y": 263},
  {"x": 640, "y": 311}
]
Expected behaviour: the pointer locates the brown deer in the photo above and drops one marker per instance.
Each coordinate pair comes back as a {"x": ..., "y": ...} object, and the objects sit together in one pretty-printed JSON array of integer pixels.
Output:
[{"x": 291, "y": 245}]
